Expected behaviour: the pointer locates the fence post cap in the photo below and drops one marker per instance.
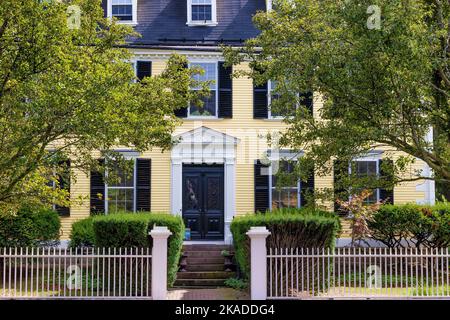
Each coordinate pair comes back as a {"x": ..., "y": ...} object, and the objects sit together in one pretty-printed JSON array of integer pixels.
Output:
[
  {"x": 258, "y": 232},
  {"x": 160, "y": 232}
]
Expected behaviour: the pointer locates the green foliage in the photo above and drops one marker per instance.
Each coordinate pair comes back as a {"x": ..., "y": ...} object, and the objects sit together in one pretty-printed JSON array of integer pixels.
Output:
[
  {"x": 236, "y": 283},
  {"x": 386, "y": 85},
  {"x": 82, "y": 234},
  {"x": 289, "y": 229},
  {"x": 405, "y": 225},
  {"x": 67, "y": 92},
  {"x": 29, "y": 227},
  {"x": 131, "y": 230}
]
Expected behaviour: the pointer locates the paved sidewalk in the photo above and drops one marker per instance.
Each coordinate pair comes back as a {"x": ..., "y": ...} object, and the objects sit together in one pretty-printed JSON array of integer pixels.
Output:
[{"x": 207, "y": 294}]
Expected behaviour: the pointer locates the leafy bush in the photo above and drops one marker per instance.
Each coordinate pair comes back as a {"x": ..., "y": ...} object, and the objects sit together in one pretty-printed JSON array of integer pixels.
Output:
[
  {"x": 30, "y": 226},
  {"x": 236, "y": 283},
  {"x": 82, "y": 234},
  {"x": 412, "y": 225},
  {"x": 289, "y": 229},
  {"x": 130, "y": 230}
]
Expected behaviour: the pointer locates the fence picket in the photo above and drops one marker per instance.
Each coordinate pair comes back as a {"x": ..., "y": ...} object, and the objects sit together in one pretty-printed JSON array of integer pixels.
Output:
[
  {"x": 51, "y": 272},
  {"x": 338, "y": 273}
]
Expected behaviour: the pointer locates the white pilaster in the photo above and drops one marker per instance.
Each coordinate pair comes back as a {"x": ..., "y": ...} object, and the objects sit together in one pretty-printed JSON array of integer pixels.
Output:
[
  {"x": 176, "y": 194},
  {"x": 230, "y": 196}
]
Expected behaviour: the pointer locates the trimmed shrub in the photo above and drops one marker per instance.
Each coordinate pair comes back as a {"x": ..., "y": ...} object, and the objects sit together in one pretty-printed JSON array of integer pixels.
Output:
[
  {"x": 82, "y": 234},
  {"x": 289, "y": 229},
  {"x": 130, "y": 230},
  {"x": 412, "y": 225},
  {"x": 30, "y": 227}
]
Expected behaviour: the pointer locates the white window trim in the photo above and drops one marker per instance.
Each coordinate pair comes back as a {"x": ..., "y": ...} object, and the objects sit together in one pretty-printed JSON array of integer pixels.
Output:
[
  {"x": 269, "y": 5},
  {"x": 216, "y": 84},
  {"x": 193, "y": 23},
  {"x": 134, "y": 12},
  {"x": 269, "y": 103},
  {"x": 134, "y": 188},
  {"x": 371, "y": 158}
]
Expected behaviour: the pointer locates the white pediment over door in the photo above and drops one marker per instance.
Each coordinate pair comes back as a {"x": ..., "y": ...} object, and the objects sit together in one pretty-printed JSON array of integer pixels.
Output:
[{"x": 204, "y": 145}]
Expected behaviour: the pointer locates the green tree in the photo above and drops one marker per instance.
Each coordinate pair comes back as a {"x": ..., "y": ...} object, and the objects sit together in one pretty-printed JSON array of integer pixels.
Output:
[
  {"x": 381, "y": 67},
  {"x": 67, "y": 89}
]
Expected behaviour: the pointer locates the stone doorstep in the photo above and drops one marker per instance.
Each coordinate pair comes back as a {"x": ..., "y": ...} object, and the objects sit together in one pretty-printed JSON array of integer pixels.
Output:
[{"x": 205, "y": 275}]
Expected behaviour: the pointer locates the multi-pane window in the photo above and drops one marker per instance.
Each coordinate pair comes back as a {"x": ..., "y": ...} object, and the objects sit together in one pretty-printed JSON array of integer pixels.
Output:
[
  {"x": 120, "y": 194},
  {"x": 210, "y": 102},
  {"x": 272, "y": 97},
  {"x": 365, "y": 169},
  {"x": 122, "y": 9},
  {"x": 287, "y": 195},
  {"x": 201, "y": 10}
]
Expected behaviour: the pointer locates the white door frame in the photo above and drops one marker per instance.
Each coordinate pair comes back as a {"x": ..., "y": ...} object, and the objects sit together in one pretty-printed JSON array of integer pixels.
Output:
[{"x": 205, "y": 146}]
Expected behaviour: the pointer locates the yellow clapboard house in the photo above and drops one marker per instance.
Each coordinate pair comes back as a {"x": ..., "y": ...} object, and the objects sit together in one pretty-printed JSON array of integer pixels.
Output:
[{"x": 216, "y": 171}]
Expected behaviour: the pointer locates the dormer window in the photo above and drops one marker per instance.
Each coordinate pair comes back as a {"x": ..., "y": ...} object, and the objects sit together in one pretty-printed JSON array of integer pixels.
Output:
[
  {"x": 125, "y": 11},
  {"x": 201, "y": 13}
]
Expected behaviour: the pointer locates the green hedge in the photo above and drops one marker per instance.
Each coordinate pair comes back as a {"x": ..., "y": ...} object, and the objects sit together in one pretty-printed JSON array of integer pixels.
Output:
[
  {"x": 296, "y": 228},
  {"x": 418, "y": 225},
  {"x": 30, "y": 226},
  {"x": 129, "y": 230},
  {"x": 82, "y": 234}
]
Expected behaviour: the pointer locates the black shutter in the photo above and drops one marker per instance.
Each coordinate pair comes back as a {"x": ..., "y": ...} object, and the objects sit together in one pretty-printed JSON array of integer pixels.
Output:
[
  {"x": 340, "y": 170},
  {"x": 225, "y": 91},
  {"x": 260, "y": 103},
  {"x": 182, "y": 112},
  {"x": 262, "y": 189},
  {"x": 97, "y": 191},
  {"x": 64, "y": 184},
  {"x": 143, "y": 184},
  {"x": 385, "y": 194},
  {"x": 105, "y": 8},
  {"x": 143, "y": 69},
  {"x": 306, "y": 99},
  {"x": 307, "y": 189}
]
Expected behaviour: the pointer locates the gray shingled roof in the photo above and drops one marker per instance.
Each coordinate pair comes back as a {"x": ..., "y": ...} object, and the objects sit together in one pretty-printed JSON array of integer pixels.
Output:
[{"x": 163, "y": 23}]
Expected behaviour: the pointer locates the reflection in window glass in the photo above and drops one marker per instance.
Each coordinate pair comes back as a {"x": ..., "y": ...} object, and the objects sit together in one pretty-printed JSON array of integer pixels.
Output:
[
  {"x": 209, "y": 107},
  {"x": 121, "y": 192},
  {"x": 367, "y": 169},
  {"x": 288, "y": 195}
]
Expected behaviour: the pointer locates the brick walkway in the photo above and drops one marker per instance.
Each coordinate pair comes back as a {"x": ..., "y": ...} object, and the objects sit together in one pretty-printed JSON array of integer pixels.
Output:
[{"x": 207, "y": 294}]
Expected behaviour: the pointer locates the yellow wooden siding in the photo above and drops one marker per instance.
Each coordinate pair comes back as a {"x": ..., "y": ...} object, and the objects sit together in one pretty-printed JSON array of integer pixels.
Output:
[{"x": 252, "y": 144}]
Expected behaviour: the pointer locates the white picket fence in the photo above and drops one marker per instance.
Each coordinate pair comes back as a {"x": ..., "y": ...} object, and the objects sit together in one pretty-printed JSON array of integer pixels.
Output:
[
  {"x": 347, "y": 273},
  {"x": 86, "y": 273}
]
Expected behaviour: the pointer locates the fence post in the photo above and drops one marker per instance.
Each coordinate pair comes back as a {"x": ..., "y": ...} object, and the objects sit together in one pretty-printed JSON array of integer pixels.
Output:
[
  {"x": 159, "y": 262},
  {"x": 258, "y": 262}
]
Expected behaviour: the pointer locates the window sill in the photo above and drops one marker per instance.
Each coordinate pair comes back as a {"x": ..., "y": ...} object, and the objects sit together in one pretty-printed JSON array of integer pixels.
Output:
[
  {"x": 203, "y": 119},
  {"x": 274, "y": 119},
  {"x": 128, "y": 23},
  {"x": 201, "y": 24}
]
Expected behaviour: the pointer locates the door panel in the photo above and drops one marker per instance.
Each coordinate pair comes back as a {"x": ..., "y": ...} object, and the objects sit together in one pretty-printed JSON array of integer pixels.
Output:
[{"x": 203, "y": 201}]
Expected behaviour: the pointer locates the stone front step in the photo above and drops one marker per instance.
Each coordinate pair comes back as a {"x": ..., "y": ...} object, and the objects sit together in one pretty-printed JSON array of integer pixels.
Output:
[
  {"x": 203, "y": 254},
  {"x": 205, "y": 275},
  {"x": 205, "y": 267},
  {"x": 199, "y": 283},
  {"x": 206, "y": 247},
  {"x": 214, "y": 260}
]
